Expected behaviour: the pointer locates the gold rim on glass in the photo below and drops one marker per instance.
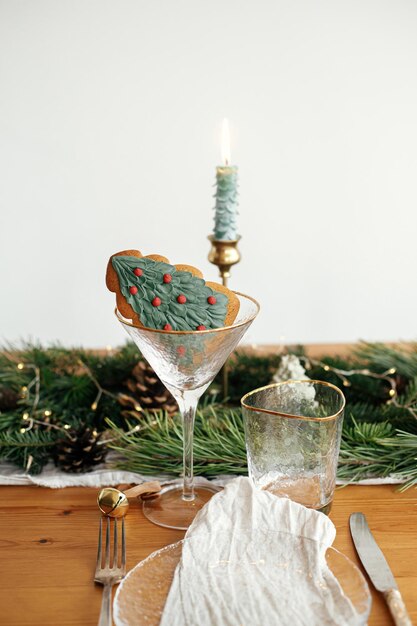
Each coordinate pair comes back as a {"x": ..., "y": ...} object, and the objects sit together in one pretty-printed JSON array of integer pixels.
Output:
[
  {"x": 289, "y": 415},
  {"x": 123, "y": 320}
]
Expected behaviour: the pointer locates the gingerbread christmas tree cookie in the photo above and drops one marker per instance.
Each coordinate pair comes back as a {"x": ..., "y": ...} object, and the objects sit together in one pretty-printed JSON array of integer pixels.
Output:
[{"x": 155, "y": 294}]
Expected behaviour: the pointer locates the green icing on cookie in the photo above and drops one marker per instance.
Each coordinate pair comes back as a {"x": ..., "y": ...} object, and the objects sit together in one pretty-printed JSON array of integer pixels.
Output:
[{"x": 150, "y": 285}]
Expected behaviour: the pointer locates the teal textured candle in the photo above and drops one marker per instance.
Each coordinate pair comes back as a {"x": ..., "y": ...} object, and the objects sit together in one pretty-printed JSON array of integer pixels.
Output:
[{"x": 225, "y": 227}]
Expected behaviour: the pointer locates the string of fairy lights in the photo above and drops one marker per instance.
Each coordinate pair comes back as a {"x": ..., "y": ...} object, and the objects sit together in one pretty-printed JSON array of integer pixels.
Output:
[
  {"x": 29, "y": 417},
  {"x": 343, "y": 375},
  {"x": 386, "y": 376}
]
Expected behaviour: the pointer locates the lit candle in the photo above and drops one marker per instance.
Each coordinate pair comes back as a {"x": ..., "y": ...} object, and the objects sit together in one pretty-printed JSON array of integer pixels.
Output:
[{"x": 225, "y": 228}]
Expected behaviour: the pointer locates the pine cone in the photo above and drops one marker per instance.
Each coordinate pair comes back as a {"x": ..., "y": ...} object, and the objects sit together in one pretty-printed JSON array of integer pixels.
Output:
[
  {"x": 8, "y": 399},
  {"x": 78, "y": 450},
  {"x": 147, "y": 393}
]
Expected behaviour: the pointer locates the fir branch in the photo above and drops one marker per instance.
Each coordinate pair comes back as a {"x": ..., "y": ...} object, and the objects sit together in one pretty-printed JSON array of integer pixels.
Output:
[
  {"x": 362, "y": 412},
  {"x": 68, "y": 391},
  {"x": 367, "y": 450},
  {"x": 10, "y": 420},
  {"x": 248, "y": 371},
  {"x": 376, "y": 450},
  {"x": 380, "y": 357},
  {"x": 112, "y": 369},
  {"x": 30, "y": 450},
  {"x": 72, "y": 391},
  {"x": 219, "y": 444}
]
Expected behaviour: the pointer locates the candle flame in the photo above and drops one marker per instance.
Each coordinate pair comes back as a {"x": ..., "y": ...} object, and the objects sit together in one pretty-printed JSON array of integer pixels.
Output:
[{"x": 226, "y": 142}]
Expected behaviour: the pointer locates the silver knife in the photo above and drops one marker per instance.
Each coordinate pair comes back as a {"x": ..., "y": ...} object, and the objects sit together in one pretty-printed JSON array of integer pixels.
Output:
[{"x": 377, "y": 568}]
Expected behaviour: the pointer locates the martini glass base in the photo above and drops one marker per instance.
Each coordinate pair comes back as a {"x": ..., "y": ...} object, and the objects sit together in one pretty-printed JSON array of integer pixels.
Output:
[{"x": 171, "y": 511}]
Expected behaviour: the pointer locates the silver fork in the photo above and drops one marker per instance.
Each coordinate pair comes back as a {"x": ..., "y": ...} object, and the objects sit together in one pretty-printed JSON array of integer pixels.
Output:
[{"x": 107, "y": 575}]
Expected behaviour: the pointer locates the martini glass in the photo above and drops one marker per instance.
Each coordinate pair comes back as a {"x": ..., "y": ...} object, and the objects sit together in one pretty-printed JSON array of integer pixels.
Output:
[{"x": 187, "y": 362}]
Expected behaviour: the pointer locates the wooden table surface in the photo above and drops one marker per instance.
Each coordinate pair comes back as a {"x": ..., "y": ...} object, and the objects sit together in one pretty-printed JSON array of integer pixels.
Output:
[
  {"x": 48, "y": 541},
  {"x": 48, "y": 549}
]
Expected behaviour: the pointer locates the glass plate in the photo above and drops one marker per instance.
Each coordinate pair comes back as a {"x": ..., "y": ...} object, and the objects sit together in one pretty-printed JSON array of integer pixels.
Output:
[{"x": 141, "y": 597}]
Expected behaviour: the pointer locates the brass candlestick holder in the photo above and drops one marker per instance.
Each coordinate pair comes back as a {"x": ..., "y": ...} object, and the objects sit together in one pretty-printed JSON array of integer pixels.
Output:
[{"x": 224, "y": 254}]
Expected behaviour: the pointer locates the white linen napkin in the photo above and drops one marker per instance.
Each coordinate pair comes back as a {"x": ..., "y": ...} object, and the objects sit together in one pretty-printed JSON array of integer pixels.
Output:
[{"x": 253, "y": 559}]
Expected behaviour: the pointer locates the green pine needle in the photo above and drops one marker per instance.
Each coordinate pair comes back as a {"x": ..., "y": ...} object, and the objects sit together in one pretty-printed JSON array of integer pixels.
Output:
[
  {"x": 30, "y": 450},
  {"x": 380, "y": 357},
  {"x": 219, "y": 444},
  {"x": 377, "y": 450}
]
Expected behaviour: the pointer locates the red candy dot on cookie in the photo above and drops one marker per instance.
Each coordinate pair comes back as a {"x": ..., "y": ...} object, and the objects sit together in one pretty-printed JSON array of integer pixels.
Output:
[
  {"x": 137, "y": 271},
  {"x": 167, "y": 327},
  {"x": 181, "y": 299},
  {"x": 133, "y": 290},
  {"x": 201, "y": 327},
  {"x": 181, "y": 350},
  {"x": 211, "y": 300},
  {"x": 167, "y": 278},
  {"x": 156, "y": 301}
]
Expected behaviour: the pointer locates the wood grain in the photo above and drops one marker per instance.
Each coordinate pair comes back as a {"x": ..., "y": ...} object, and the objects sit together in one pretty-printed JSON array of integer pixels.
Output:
[{"x": 48, "y": 541}]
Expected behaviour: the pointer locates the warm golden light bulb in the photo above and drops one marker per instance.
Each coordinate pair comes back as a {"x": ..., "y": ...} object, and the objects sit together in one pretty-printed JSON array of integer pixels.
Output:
[
  {"x": 20, "y": 366},
  {"x": 226, "y": 142}
]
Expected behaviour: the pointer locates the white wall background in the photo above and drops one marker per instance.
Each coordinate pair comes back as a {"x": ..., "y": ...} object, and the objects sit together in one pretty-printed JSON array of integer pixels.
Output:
[{"x": 110, "y": 116}]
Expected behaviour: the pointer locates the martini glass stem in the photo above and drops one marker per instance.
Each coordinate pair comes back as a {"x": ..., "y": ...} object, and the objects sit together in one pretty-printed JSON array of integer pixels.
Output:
[{"x": 188, "y": 405}]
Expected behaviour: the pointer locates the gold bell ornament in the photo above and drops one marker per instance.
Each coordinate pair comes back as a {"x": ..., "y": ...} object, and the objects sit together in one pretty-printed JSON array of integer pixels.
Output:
[
  {"x": 112, "y": 502},
  {"x": 115, "y": 503}
]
